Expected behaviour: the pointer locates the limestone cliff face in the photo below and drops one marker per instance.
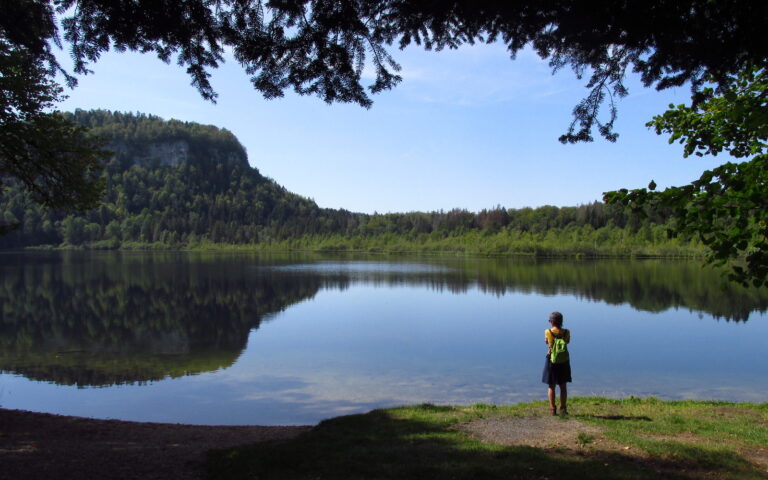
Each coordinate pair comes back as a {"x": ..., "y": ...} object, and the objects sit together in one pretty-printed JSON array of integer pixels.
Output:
[
  {"x": 171, "y": 153},
  {"x": 166, "y": 153}
]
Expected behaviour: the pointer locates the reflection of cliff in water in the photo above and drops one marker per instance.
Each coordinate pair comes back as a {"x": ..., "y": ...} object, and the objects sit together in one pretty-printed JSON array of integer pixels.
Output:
[{"x": 103, "y": 322}]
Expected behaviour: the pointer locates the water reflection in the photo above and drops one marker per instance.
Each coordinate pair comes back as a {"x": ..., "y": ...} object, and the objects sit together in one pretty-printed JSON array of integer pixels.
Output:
[
  {"x": 646, "y": 285},
  {"x": 104, "y": 320},
  {"x": 99, "y": 319}
]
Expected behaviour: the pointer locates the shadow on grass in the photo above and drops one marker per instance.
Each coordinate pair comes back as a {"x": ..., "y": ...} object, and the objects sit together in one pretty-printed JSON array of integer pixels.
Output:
[
  {"x": 377, "y": 445},
  {"x": 616, "y": 417}
]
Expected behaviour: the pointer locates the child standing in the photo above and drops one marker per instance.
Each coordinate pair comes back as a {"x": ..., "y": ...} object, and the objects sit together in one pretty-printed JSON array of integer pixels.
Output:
[{"x": 556, "y": 373}]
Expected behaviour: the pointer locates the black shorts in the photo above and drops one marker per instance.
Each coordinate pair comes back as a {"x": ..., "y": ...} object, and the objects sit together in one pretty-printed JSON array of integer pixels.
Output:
[{"x": 556, "y": 373}]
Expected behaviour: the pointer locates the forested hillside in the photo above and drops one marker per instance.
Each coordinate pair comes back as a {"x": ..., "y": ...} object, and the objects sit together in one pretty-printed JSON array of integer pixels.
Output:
[
  {"x": 172, "y": 184},
  {"x": 169, "y": 182}
]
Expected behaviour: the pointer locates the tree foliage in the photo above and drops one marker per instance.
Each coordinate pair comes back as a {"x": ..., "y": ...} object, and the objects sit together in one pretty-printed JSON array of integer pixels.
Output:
[
  {"x": 320, "y": 47},
  {"x": 727, "y": 207},
  {"x": 166, "y": 182},
  {"x": 171, "y": 184},
  {"x": 56, "y": 160}
]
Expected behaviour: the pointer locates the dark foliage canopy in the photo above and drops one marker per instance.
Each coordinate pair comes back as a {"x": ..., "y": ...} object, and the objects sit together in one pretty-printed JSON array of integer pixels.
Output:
[
  {"x": 54, "y": 158},
  {"x": 320, "y": 47}
]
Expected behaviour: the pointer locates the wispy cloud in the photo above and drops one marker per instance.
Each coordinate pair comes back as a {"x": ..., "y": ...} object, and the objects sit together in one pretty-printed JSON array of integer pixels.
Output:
[{"x": 479, "y": 75}]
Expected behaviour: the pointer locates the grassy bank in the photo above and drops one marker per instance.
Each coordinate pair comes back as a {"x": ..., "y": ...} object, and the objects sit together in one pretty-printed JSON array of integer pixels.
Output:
[
  {"x": 587, "y": 243},
  {"x": 553, "y": 243},
  {"x": 601, "y": 439}
]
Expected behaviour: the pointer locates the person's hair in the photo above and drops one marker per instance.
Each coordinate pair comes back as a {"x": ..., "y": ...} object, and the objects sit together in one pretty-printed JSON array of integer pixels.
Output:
[{"x": 556, "y": 318}]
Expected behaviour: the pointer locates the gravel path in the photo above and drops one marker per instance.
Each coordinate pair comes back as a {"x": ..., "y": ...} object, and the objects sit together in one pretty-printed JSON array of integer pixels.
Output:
[{"x": 51, "y": 447}]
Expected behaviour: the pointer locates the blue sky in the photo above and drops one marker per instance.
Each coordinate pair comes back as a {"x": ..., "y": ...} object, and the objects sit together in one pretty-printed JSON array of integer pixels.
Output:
[{"x": 467, "y": 128}]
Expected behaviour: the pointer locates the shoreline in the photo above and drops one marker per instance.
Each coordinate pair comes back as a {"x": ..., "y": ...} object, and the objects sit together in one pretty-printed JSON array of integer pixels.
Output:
[
  {"x": 415, "y": 252},
  {"x": 638, "y": 436},
  {"x": 48, "y": 446}
]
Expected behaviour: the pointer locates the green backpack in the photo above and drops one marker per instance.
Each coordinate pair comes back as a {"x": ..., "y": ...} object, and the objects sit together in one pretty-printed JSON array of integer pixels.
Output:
[{"x": 559, "y": 349}]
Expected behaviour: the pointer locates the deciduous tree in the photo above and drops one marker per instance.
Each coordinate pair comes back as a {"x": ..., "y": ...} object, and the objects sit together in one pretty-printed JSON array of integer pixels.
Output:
[
  {"x": 727, "y": 207},
  {"x": 54, "y": 158}
]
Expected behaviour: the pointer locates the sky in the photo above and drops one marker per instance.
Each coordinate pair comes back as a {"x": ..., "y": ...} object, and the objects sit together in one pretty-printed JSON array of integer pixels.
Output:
[{"x": 467, "y": 128}]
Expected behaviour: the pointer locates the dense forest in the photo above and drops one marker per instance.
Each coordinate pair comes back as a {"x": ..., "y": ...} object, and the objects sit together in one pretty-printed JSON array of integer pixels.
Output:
[{"x": 173, "y": 184}]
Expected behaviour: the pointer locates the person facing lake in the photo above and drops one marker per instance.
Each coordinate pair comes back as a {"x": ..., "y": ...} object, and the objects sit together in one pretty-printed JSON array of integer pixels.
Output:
[{"x": 557, "y": 365}]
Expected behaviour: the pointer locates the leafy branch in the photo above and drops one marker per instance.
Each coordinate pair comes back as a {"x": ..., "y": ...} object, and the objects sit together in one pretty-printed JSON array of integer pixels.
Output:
[{"x": 727, "y": 207}]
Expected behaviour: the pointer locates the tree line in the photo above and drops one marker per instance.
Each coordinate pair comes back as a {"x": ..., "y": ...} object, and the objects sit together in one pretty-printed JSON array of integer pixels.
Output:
[
  {"x": 173, "y": 184},
  {"x": 322, "y": 47}
]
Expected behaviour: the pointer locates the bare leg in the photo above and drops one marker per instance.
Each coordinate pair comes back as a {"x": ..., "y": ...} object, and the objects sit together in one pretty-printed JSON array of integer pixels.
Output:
[
  {"x": 551, "y": 396},
  {"x": 563, "y": 398}
]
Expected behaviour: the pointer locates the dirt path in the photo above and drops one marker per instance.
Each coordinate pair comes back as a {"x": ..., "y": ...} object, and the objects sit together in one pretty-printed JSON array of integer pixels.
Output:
[{"x": 51, "y": 447}]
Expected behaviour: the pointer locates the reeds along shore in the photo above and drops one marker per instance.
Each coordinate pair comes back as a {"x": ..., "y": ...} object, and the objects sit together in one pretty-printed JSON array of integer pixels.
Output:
[
  {"x": 584, "y": 241},
  {"x": 561, "y": 242}
]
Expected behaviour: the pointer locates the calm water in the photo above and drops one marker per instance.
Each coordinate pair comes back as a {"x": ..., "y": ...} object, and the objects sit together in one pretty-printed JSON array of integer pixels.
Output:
[{"x": 246, "y": 339}]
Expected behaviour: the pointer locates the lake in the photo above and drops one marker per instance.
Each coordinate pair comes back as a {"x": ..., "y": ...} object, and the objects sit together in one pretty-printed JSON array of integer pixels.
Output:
[{"x": 233, "y": 338}]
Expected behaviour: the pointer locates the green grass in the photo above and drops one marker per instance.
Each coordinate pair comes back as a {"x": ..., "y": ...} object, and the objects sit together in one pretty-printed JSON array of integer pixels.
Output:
[
  {"x": 641, "y": 438},
  {"x": 584, "y": 439}
]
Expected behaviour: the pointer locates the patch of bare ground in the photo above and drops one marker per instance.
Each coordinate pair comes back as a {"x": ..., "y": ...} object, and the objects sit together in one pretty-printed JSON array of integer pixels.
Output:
[
  {"x": 540, "y": 432},
  {"x": 51, "y": 447},
  {"x": 758, "y": 457},
  {"x": 729, "y": 411},
  {"x": 571, "y": 436}
]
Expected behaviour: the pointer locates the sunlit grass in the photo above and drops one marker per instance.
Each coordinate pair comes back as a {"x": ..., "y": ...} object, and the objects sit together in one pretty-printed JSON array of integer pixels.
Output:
[{"x": 640, "y": 438}]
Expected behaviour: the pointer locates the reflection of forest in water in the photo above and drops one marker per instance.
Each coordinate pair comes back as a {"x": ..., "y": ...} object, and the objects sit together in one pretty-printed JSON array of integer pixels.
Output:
[
  {"x": 648, "y": 285},
  {"x": 122, "y": 319},
  {"x": 99, "y": 319}
]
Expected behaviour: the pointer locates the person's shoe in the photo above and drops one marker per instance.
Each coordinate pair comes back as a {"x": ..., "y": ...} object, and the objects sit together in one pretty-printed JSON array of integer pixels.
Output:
[
  {"x": 563, "y": 411},
  {"x": 553, "y": 410}
]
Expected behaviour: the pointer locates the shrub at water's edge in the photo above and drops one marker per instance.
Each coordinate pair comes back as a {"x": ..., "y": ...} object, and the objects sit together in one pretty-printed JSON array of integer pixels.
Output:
[{"x": 572, "y": 241}]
